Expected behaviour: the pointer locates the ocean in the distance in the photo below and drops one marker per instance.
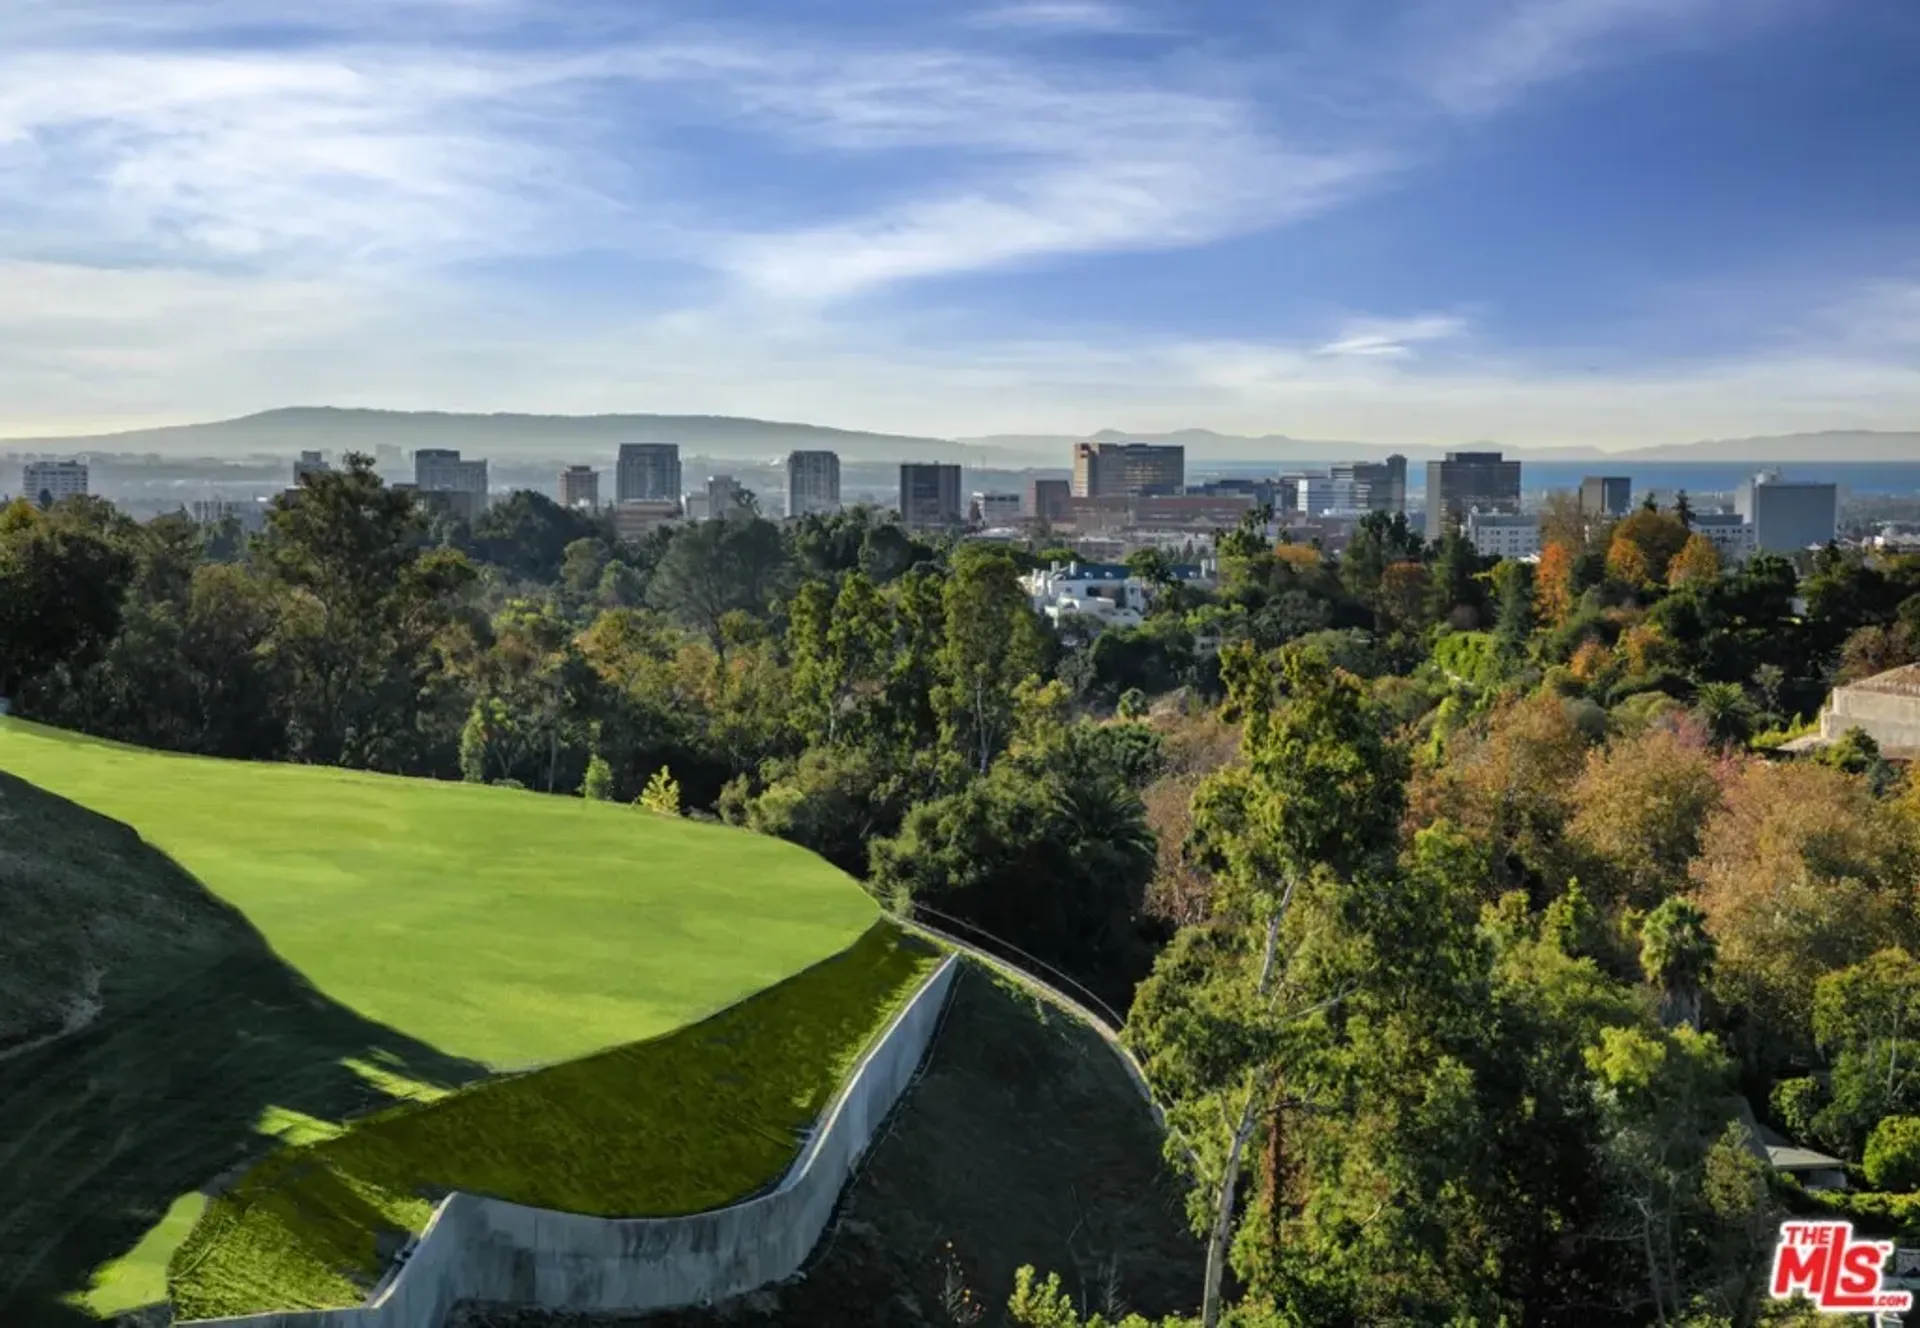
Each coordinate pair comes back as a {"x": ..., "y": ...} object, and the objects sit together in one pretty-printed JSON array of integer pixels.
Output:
[
  {"x": 1883, "y": 478},
  {"x": 1887, "y": 478}
]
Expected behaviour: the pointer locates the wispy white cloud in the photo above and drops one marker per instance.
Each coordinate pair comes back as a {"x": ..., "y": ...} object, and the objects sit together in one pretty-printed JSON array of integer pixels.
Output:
[
  {"x": 1393, "y": 337},
  {"x": 1065, "y": 16},
  {"x": 1478, "y": 57},
  {"x": 1150, "y": 198}
]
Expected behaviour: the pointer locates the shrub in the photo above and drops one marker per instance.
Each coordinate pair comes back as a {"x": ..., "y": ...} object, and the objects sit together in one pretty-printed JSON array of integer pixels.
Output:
[
  {"x": 1892, "y": 1159},
  {"x": 598, "y": 784},
  {"x": 1795, "y": 1103},
  {"x": 662, "y": 794}
]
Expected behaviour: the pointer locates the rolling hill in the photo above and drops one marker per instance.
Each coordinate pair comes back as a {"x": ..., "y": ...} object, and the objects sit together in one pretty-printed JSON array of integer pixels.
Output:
[{"x": 568, "y": 438}]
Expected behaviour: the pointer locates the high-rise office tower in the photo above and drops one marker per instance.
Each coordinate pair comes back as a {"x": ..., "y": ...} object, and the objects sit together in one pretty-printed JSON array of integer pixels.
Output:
[
  {"x": 1127, "y": 470},
  {"x": 1788, "y": 515},
  {"x": 813, "y": 483},
  {"x": 647, "y": 472},
  {"x": 580, "y": 487},
  {"x": 1373, "y": 486},
  {"x": 1467, "y": 482},
  {"x": 929, "y": 495},
  {"x": 1606, "y": 495}
]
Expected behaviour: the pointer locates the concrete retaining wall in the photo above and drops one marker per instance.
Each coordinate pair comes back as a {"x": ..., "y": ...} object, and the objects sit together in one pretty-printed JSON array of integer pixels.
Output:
[
  {"x": 488, "y": 1250},
  {"x": 1047, "y": 991},
  {"x": 1891, "y": 720}
]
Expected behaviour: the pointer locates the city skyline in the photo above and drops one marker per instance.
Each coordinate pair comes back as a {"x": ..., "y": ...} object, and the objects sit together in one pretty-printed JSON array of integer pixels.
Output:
[{"x": 1536, "y": 222}]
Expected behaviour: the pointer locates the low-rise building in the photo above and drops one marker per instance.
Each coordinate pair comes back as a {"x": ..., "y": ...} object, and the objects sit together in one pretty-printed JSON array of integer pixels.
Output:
[
  {"x": 995, "y": 509},
  {"x": 1730, "y": 534},
  {"x": 637, "y": 519},
  {"x": 1512, "y": 535},
  {"x": 1102, "y": 594},
  {"x": 47, "y": 482}
]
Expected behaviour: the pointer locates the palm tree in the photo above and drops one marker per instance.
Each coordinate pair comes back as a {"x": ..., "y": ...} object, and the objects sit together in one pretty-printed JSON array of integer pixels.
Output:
[
  {"x": 1677, "y": 954},
  {"x": 1107, "y": 814},
  {"x": 1725, "y": 711}
]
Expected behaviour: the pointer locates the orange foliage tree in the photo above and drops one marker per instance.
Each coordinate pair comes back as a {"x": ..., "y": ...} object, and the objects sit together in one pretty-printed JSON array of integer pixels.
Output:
[
  {"x": 1590, "y": 661},
  {"x": 1801, "y": 871},
  {"x": 1697, "y": 562},
  {"x": 1553, "y": 583},
  {"x": 1627, "y": 562},
  {"x": 1659, "y": 536},
  {"x": 1641, "y": 805}
]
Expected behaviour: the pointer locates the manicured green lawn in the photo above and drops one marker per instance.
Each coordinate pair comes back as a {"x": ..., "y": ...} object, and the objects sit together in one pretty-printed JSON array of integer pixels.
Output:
[
  {"x": 291, "y": 945},
  {"x": 503, "y": 926},
  {"x": 690, "y": 1121}
]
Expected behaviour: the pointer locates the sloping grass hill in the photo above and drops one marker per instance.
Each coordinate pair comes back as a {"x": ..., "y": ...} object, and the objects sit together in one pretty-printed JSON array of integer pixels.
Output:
[
  {"x": 197, "y": 956},
  {"x": 697, "y": 1119},
  {"x": 1023, "y": 1141}
]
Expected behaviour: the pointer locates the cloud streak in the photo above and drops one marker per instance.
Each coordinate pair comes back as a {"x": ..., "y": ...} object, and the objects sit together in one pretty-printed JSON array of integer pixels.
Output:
[
  {"x": 1507, "y": 48},
  {"x": 1392, "y": 337}
]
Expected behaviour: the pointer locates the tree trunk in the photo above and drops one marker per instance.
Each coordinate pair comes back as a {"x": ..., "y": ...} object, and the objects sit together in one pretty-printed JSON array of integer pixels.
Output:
[
  {"x": 1653, "y": 1269},
  {"x": 1229, "y": 1183},
  {"x": 1223, "y": 1217}
]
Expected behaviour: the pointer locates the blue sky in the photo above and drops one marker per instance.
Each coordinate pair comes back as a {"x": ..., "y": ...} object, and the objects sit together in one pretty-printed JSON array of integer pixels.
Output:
[{"x": 1419, "y": 221}]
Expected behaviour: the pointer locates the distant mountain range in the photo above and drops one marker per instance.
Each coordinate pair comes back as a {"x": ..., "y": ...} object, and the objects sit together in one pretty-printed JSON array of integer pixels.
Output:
[
  {"x": 590, "y": 438},
  {"x": 562, "y": 438}
]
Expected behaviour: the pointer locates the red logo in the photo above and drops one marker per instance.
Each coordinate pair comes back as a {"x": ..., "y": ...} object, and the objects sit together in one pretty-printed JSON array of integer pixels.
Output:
[{"x": 1840, "y": 1275}]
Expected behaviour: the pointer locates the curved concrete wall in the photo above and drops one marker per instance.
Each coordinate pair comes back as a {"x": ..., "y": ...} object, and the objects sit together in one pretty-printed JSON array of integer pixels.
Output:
[
  {"x": 487, "y": 1250},
  {"x": 1047, "y": 991}
]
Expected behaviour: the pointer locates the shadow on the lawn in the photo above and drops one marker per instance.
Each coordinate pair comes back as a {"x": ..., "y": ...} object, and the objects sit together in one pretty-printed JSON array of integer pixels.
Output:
[{"x": 103, "y": 1129}]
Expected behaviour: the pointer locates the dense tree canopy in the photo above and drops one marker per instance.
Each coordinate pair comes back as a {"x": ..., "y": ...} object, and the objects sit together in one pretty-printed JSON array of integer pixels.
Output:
[{"x": 1453, "y": 905}]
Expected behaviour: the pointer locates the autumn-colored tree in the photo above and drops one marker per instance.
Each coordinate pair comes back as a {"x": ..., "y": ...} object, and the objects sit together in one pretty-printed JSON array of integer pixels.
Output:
[
  {"x": 1697, "y": 563},
  {"x": 1590, "y": 661},
  {"x": 1509, "y": 783},
  {"x": 1300, "y": 557},
  {"x": 1627, "y": 562},
  {"x": 1801, "y": 871},
  {"x": 1642, "y": 803},
  {"x": 1553, "y": 583},
  {"x": 1659, "y": 536},
  {"x": 1645, "y": 648},
  {"x": 1403, "y": 593}
]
